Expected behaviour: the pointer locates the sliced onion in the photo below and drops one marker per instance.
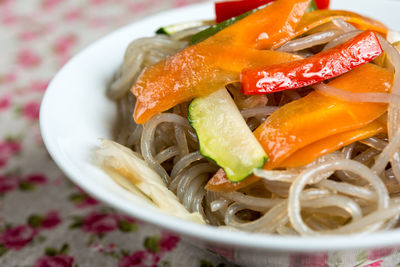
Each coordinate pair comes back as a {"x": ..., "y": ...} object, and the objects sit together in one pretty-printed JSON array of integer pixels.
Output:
[
  {"x": 355, "y": 97},
  {"x": 343, "y": 25},
  {"x": 341, "y": 39},
  {"x": 309, "y": 41}
]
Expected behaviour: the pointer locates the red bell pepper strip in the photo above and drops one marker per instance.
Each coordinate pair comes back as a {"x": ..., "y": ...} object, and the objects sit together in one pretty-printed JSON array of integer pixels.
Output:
[
  {"x": 359, "y": 50},
  {"x": 228, "y": 9},
  {"x": 322, "y": 4}
]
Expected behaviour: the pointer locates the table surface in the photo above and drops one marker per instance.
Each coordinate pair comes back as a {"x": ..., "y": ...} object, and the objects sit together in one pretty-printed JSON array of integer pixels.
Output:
[{"x": 44, "y": 219}]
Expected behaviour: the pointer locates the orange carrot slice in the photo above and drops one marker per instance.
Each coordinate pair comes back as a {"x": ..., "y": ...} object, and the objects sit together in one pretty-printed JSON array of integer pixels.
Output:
[
  {"x": 271, "y": 24},
  {"x": 332, "y": 143}
]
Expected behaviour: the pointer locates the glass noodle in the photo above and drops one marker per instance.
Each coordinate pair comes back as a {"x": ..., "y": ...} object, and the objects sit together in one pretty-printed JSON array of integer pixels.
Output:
[{"x": 352, "y": 190}]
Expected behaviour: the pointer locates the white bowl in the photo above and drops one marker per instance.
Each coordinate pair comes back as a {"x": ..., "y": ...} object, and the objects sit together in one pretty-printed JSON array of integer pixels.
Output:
[{"x": 75, "y": 113}]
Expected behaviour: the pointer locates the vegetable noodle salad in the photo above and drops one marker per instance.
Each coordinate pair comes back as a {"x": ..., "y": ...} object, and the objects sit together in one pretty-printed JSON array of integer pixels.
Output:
[{"x": 282, "y": 119}]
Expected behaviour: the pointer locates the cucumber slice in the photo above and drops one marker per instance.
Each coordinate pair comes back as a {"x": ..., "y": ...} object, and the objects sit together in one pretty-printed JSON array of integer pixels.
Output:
[
  {"x": 224, "y": 136},
  {"x": 171, "y": 29},
  {"x": 312, "y": 7}
]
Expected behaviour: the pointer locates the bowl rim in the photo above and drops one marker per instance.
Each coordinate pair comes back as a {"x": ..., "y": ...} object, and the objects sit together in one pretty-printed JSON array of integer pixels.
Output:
[{"x": 201, "y": 232}]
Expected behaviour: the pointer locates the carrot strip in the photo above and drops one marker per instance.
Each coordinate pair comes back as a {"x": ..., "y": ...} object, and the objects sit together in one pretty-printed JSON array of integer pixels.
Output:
[
  {"x": 332, "y": 143},
  {"x": 271, "y": 24}
]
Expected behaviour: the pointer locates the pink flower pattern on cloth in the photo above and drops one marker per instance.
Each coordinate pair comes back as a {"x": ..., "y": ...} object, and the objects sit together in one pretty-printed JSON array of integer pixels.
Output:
[{"x": 45, "y": 220}]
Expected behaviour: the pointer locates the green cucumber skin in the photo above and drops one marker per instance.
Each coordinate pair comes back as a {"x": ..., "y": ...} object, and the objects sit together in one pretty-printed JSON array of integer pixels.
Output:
[
  {"x": 210, "y": 31},
  {"x": 265, "y": 160},
  {"x": 174, "y": 28},
  {"x": 312, "y": 7},
  {"x": 162, "y": 31},
  {"x": 191, "y": 122}
]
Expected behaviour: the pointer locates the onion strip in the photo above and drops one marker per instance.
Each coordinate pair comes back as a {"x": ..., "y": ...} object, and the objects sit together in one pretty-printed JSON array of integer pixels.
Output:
[{"x": 354, "y": 97}]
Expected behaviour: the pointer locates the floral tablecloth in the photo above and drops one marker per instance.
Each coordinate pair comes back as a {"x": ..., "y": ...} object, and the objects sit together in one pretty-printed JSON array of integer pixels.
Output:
[{"x": 44, "y": 219}]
